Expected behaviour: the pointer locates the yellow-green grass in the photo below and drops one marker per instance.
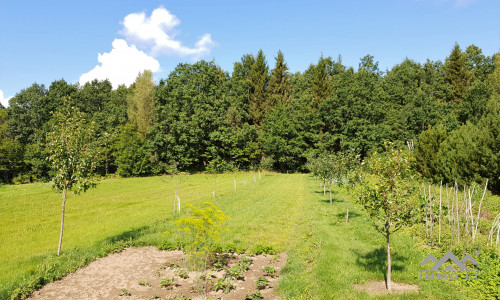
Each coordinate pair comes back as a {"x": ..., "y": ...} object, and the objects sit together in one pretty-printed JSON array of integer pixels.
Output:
[
  {"x": 288, "y": 212},
  {"x": 30, "y": 215}
]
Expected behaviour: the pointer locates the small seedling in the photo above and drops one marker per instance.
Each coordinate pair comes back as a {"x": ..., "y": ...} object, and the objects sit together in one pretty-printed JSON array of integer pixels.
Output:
[
  {"x": 168, "y": 283},
  {"x": 274, "y": 259},
  {"x": 262, "y": 283},
  {"x": 255, "y": 296},
  {"x": 223, "y": 284},
  {"x": 207, "y": 276},
  {"x": 125, "y": 292},
  {"x": 220, "y": 262},
  {"x": 270, "y": 271},
  {"x": 170, "y": 265},
  {"x": 144, "y": 283},
  {"x": 235, "y": 272},
  {"x": 262, "y": 249},
  {"x": 182, "y": 274},
  {"x": 181, "y": 297},
  {"x": 230, "y": 248},
  {"x": 244, "y": 263},
  {"x": 155, "y": 296}
]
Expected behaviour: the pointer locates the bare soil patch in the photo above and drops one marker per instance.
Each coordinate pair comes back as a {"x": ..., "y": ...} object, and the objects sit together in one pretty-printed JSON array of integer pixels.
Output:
[
  {"x": 378, "y": 288},
  {"x": 136, "y": 273}
]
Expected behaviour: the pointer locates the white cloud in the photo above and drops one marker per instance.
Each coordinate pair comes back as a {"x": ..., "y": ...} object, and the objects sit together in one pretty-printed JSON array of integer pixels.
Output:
[
  {"x": 157, "y": 33},
  {"x": 121, "y": 65},
  {"x": 4, "y": 101}
]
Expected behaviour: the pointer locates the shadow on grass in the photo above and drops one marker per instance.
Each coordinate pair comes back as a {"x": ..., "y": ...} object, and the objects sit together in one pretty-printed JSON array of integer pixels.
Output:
[
  {"x": 128, "y": 235},
  {"x": 334, "y": 200},
  {"x": 376, "y": 260},
  {"x": 352, "y": 215}
]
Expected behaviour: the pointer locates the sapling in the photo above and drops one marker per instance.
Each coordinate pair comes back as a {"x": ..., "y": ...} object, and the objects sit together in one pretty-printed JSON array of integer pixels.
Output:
[
  {"x": 71, "y": 154},
  {"x": 388, "y": 196}
]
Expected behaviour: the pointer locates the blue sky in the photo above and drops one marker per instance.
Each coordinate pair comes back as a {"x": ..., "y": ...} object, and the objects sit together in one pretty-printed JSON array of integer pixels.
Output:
[{"x": 42, "y": 41}]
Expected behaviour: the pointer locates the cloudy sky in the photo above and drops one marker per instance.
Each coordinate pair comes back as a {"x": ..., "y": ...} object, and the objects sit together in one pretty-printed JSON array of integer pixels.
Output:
[{"x": 43, "y": 41}]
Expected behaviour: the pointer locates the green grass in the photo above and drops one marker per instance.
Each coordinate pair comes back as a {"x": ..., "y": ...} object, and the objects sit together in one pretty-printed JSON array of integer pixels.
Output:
[{"x": 287, "y": 212}]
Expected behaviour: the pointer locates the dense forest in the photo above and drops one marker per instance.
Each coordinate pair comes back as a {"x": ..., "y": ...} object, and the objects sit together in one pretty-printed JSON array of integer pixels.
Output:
[{"x": 263, "y": 116}]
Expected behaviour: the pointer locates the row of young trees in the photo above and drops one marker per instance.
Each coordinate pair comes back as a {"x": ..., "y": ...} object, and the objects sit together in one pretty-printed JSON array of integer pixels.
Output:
[{"x": 260, "y": 116}]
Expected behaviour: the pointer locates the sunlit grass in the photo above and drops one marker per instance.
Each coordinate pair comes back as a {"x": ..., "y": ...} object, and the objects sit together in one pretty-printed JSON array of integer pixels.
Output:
[{"x": 288, "y": 212}]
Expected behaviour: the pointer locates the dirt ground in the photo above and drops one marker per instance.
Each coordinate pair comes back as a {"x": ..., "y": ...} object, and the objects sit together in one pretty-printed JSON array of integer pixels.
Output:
[
  {"x": 136, "y": 273},
  {"x": 378, "y": 288}
]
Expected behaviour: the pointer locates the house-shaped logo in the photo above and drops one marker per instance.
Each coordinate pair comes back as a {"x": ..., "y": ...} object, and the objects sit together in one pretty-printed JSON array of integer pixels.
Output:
[
  {"x": 442, "y": 274},
  {"x": 449, "y": 256}
]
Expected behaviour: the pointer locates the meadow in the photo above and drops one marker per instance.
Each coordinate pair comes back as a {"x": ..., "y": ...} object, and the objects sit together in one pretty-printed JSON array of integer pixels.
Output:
[{"x": 326, "y": 257}]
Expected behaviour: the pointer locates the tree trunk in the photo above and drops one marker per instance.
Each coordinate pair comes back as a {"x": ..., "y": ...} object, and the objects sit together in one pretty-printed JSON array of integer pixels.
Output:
[
  {"x": 330, "y": 186},
  {"x": 440, "y": 191},
  {"x": 347, "y": 212},
  {"x": 388, "y": 282},
  {"x": 62, "y": 222},
  {"x": 235, "y": 184}
]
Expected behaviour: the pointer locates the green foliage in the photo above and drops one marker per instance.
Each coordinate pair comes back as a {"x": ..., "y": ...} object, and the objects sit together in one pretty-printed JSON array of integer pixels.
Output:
[
  {"x": 426, "y": 152},
  {"x": 262, "y": 283},
  {"x": 141, "y": 109},
  {"x": 243, "y": 264},
  {"x": 235, "y": 272},
  {"x": 131, "y": 154},
  {"x": 258, "y": 79},
  {"x": 263, "y": 249},
  {"x": 457, "y": 74},
  {"x": 168, "y": 283},
  {"x": 279, "y": 83},
  {"x": 224, "y": 285},
  {"x": 257, "y": 295},
  {"x": 182, "y": 274},
  {"x": 71, "y": 151},
  {"x": 389, "y": 195},
  {"x": 125, "y": 292},
  {"x": 270, "y": 271}
]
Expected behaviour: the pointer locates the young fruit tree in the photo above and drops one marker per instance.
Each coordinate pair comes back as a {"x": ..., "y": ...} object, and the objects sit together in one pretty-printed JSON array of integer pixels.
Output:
[
  {"x": 349, "y": 174},
  {"x": 325, "y": 168},
  {"x": 389, "y": 195},
  {"x": 71, "y": 154}
]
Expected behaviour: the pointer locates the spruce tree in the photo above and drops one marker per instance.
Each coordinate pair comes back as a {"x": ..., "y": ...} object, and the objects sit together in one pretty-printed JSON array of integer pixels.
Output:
[
  {"x": 258, "y": 79},
  {"x": 457, "y": 74},
  {"x": 279, "y": 83},
  {"x": 321, "y": 82}
]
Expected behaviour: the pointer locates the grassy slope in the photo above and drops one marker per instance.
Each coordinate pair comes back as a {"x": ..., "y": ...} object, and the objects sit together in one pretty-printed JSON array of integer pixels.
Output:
[{"x": 288, "y": 212}]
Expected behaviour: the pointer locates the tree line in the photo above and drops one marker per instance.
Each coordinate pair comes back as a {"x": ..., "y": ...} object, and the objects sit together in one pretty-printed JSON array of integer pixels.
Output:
[{"x": 264, "y": 116}]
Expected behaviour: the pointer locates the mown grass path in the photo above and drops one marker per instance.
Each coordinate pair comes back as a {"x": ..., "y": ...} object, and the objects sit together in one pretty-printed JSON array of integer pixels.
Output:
[{"x": 288, "y": 212}]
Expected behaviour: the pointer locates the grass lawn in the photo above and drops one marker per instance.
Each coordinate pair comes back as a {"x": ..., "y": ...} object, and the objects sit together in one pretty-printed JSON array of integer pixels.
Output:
[{"x": 287, "y": 212}]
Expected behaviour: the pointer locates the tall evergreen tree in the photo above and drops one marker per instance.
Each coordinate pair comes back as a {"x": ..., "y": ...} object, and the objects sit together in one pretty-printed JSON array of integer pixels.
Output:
[
  {"x": 321, "y": 82},
  {"x": 141, "y": 109},
  {"x": 457, "y": 74},
  {"x": 259, "y": 79},
  {"x": 279, "y": 84}
]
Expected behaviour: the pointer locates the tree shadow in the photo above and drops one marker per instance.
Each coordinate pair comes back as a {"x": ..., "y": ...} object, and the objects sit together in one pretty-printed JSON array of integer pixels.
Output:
[
  {"x": 334, "y": 200},
  {"x": 132, "y": 234},
  {"x": 376, "y": 260},
  {"x": 352, "y": 214}
]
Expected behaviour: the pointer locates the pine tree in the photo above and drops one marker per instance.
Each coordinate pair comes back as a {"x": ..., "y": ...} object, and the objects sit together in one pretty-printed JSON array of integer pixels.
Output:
[
  {"x": 141, "y": 109},
  {"x": 259, "y": 79},
  {"x": 457, "y": 74},
  {"x": 321, "y": 82},
  {"x": 279, "y": 83}
]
